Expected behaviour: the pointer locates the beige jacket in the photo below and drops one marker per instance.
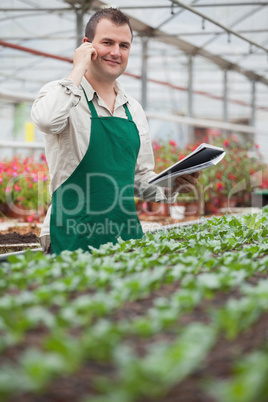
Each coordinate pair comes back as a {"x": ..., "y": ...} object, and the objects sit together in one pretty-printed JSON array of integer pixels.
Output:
[{"x": 61, "y": 112}]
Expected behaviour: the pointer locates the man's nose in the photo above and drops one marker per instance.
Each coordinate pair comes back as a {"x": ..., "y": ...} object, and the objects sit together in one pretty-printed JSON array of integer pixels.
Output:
[{"x": 115, "y": 51}]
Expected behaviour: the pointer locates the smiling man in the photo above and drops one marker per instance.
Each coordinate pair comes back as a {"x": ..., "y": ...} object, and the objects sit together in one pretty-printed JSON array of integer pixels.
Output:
[{"x": 97, "y": 144}]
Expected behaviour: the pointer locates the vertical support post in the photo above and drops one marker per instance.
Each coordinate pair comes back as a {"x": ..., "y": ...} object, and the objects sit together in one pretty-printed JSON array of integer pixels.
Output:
[
  {"x": 225, "y": 99},
  {"x": 190, "y": 85},
  {"x": 253, "y": 107},
  {"x": 190, "y": 96},
  {"x": 253, "y": 104},
  {"x": 79, "y": 27},
  {"x": 225, "y": 96},
  {"x": 144, "y": 70}
]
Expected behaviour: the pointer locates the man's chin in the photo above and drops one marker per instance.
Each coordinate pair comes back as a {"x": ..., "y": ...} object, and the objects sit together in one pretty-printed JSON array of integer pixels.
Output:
[{"x": 114, "y": 73}]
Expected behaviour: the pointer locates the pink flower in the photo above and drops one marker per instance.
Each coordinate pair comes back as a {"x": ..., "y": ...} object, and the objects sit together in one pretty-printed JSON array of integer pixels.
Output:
[
  {"x": 156, "y": 146},
  {"x": 213, "y": 131},
  {"x": 8, "y": 189},
  {"x": 15, "y": 174},
  {"x": 172, "y": 143}
]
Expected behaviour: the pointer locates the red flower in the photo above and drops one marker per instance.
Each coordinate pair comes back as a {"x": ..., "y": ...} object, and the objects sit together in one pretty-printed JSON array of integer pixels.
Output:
[
  {"x": 232, "y": 177},
  {"x": 220, "y": 186},
  {"x": 43, "y": 158},
  {"x": 226, "y": 143}
]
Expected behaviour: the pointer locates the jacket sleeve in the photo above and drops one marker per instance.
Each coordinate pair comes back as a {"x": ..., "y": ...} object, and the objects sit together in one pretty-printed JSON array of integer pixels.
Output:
[
  {"x": 51, "y": 108},
  {"x": 145, "y": 166}
]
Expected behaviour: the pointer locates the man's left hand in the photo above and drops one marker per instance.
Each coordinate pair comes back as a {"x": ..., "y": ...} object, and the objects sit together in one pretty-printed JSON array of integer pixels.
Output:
[{"x": 186, "y": 183}]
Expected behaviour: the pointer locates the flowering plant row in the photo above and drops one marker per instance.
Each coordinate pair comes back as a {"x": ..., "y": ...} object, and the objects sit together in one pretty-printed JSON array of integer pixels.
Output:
[
  {"x": 24, "y": 181},
  {"x": 24, "y": 184},
  {"x": 235, "y": 177}
]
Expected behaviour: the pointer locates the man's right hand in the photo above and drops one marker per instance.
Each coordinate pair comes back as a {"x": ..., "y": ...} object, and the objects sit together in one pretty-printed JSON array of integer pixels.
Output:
[{"x": 83, "y": 56}]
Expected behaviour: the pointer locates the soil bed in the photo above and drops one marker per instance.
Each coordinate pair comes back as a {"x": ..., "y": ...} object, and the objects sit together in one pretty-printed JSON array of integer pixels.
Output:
[{"x": 17, "y": 238}]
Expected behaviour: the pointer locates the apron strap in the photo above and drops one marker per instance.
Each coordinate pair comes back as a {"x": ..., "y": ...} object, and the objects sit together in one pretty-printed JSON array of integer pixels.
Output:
[
  {"x": 94, "y": 112},
  {"x": 127, "y": 112},
  {"x": 90, "y": 105}
]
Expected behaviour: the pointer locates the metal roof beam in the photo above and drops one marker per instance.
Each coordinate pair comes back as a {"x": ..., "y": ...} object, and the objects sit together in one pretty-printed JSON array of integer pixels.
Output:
[
  {"x": 187, "y": 47},
  {"x": 260, "y": 3},
  {"x": 20, "y": 9},
  {"x": 249, "y": 14},
  {"x": 16, "y": 97},
  {"x": 207, "y": 33},
  {"x": 225, "y": 28},
  {"x": 173, "y": 15},
  {"x": 255, "y": 3}
]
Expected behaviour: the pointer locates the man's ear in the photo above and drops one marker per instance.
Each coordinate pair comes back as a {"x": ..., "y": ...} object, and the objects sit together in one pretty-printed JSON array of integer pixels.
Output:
[{"x": 85, "y": 39}]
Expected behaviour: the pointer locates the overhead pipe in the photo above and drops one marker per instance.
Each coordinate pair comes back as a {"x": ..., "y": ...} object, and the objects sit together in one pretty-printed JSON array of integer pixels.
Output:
[
  {"x": 34, "y": 51},
  {"x": 168, "y": 84}
]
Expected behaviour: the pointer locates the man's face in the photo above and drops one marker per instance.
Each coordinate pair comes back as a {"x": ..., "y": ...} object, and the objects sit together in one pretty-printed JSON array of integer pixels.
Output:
[{"x": 112, "y": 43}]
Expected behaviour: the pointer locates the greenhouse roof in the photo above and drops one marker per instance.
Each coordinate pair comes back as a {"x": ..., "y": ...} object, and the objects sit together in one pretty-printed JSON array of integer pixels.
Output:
[{"x": 213, "y": 37}]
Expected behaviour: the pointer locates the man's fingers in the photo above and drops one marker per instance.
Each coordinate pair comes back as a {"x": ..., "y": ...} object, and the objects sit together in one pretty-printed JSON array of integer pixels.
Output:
[
  {"x": 186, "y": 179},
  {"x": 186, "y": 183},
  {"x": 183, "y": 186}
]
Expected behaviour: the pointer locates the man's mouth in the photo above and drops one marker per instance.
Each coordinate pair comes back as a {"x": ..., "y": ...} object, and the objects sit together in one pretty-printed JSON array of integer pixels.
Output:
[{"x": 112, "y": 61}]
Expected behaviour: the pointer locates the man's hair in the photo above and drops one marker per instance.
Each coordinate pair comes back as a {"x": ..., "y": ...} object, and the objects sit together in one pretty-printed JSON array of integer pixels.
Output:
[{"x": 112, "y": 14}]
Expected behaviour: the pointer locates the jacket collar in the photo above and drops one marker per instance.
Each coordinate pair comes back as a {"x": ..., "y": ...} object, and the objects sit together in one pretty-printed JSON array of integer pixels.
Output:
[{"x": 121, "y": 97}]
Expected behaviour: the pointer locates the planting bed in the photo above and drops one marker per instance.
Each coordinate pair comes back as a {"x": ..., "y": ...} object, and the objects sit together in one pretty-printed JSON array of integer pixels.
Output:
[
  {"x": 179, "y": 315},
  {"x": 17, "y": 238}
]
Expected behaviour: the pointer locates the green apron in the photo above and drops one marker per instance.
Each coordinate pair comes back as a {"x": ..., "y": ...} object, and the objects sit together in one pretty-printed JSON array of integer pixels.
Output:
[{"x": 95, "y": 205}]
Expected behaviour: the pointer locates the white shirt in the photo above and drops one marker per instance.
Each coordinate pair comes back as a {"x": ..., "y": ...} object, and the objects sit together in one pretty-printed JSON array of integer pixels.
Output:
[{"x": 61, "y": 112}]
